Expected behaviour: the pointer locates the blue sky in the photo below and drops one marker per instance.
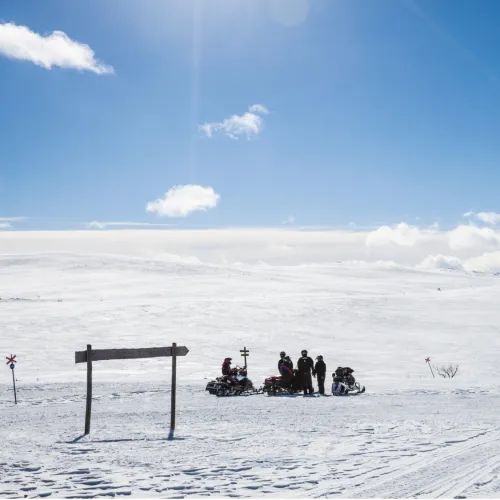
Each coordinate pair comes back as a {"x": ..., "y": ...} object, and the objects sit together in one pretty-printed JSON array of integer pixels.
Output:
[{"x": 378, "y": 112}]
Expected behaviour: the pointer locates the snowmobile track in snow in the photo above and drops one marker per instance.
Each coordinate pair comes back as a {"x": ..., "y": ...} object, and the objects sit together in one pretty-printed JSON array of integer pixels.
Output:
[{"x": 464, "y": 459}]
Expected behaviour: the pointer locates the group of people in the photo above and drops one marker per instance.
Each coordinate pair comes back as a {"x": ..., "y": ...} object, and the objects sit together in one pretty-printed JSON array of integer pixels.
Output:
[
  {"x": 306, "y": 369},
  {"x": 301, "y": 376}
]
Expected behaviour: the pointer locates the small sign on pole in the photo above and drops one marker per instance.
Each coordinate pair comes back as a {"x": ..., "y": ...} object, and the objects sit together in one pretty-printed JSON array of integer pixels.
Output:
[
  {"x": 245, "y": 353},
  {"x": 428, "y": 361},
  {"x": 91, "y": 355},
  {"x": 11, "y": 361}
]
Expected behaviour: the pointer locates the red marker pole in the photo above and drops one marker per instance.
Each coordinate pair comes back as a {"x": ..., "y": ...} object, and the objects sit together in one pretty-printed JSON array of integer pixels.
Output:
[
  {"x": 14, "y": 384},
  {"x": 11, "y": 361}
]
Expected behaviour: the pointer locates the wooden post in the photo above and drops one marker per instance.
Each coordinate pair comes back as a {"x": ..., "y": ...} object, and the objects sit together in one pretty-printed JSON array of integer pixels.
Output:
[
  {"x": 174, "y": 380},
  {"x": 14, "y": 383},
  {"x": 89, "y": 356},
  {"x": 88, "y": 410},
  {"x": 245, "y": 353}
]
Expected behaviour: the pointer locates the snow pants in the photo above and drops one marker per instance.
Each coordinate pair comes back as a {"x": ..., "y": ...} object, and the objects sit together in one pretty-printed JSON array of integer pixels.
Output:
[
  {"x": 321, "y": 383},
  {"x": 307, "y": 384}
]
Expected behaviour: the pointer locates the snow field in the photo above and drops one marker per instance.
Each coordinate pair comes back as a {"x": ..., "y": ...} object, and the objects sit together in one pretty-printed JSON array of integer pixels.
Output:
[{"x": 408, "y": 435}]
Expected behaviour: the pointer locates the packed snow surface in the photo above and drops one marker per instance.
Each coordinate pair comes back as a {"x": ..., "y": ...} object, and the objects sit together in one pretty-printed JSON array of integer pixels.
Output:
[{"x": 409, "y": 435}]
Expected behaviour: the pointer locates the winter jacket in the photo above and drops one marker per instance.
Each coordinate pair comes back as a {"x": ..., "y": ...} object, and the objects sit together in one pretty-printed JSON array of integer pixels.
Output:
[
  {"x": 306, "y": 365},
  {"x": 282, "y": 361},
  {"x": 286, "y": 373},
  {"x": 226, "y": 368},
  {"x": 320, "y": 368}
]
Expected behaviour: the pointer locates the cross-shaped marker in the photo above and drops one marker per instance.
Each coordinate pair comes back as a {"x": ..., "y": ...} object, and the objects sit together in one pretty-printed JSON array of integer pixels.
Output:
[
  {"x": 10, "y": 360},
  {"x": 427, "y": 360},
  {"x": 245, "y": 352}
]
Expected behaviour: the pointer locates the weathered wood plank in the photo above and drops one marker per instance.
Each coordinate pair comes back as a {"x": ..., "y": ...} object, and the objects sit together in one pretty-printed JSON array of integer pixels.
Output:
[
  {"x": 88, "y": 409},
  {"x": 174, "y": 383},
  {"x": 148, "y": 352}
]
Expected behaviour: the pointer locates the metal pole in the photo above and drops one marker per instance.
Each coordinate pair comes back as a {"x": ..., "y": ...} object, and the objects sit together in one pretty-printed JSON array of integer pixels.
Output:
[
  {"x": 14, "y": 383},
  {"x": 429, "y": 363},
  {"x": 88, "y": 410},
  {"x": 174, "y": 380}
]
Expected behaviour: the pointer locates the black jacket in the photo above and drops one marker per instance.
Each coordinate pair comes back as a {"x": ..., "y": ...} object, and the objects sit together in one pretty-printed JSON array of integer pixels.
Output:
[
  {"x": 305, "y": 364},
  {"x": 320, "y": 368}
]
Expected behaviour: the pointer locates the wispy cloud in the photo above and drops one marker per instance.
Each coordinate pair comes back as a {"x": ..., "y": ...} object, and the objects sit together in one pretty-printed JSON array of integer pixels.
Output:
[
  {"x": 103, "y": 225},
  {"x": 290, "y": 220},
  {"x": 491, "y": 218},
  {"x": 6, "y": 222},
  {"x": 47, "y": 51},
  {"x": 180, "y": 201},
  {"x": 12, "y": 219},
  {"x": 248, "y": 124}
]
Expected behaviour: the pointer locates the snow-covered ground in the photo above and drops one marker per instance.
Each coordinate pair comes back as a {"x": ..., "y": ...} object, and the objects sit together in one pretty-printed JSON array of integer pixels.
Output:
[{"x": 408, "y": 435}]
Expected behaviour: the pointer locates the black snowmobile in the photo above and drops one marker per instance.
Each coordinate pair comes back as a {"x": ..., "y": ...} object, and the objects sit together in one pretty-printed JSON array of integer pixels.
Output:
[
  {"x": 235, "y": 384},
  {"x": 344, "y": 382}
]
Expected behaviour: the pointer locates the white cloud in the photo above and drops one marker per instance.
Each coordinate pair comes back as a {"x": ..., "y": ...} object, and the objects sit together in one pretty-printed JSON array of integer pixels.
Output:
[
  {"x": 183, "y": 200},
  {"x": 12, "y": 219},
  {"x": 491, "y": 218},
  {"x": 462, "y": 249},
  {"x": 259, "y": 108},
  {"x": 249, "y": 124},
  {"x": 103, "y": 225},
  {"x": 442, "y": 262},
  {"x": 6, "y": 222},
  {"x": 486, "y": 263},
  {"x": 290, "y": 220},
  {"x": 470, "y": 237},
  {"x": 401, "y": 234},
  {"x": 54, "y": 49}
]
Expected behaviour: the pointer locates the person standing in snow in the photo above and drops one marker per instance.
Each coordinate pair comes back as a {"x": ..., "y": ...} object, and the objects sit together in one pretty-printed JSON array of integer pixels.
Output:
[
  {"x": 305, "y": 366},
  {"x": 281, "y": 360},
  {"x": 226, "y": 367},
  {"x": 288, "y": 363},
  {"x": 287, "y": 375},
  {"x": 320, "y": 369}
]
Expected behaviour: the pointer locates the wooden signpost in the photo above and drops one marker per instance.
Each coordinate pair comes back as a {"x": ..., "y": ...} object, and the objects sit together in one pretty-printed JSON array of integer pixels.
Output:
[
  {"x": 91, "y": 355},
  {"x": 245, "y": 353}
]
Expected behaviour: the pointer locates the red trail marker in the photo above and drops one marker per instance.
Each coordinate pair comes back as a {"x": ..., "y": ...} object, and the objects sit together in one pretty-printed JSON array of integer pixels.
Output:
[{"x": 12, "y": 362}]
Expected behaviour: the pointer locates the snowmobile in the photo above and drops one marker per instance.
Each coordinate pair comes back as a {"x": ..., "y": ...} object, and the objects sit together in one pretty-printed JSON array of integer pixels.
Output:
[
  {"x": 274, "y": 386},
  {"x": 235, "y": 384},
  {"x": 344, "y": 383},
  {"x": 343, "y": 389}
]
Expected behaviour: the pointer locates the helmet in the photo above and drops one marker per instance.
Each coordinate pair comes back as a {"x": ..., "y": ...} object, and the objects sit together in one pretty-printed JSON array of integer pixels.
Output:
[
  {"x": 282, "y": 354},
  {"x": 319, "y": 358},
  {"x": 228, "y": 360},
  {"x": 304, "y": 353}
]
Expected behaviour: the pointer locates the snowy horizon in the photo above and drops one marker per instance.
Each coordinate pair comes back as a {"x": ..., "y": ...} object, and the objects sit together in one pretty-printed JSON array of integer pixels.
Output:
[{"x": 468, "y": 247}]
